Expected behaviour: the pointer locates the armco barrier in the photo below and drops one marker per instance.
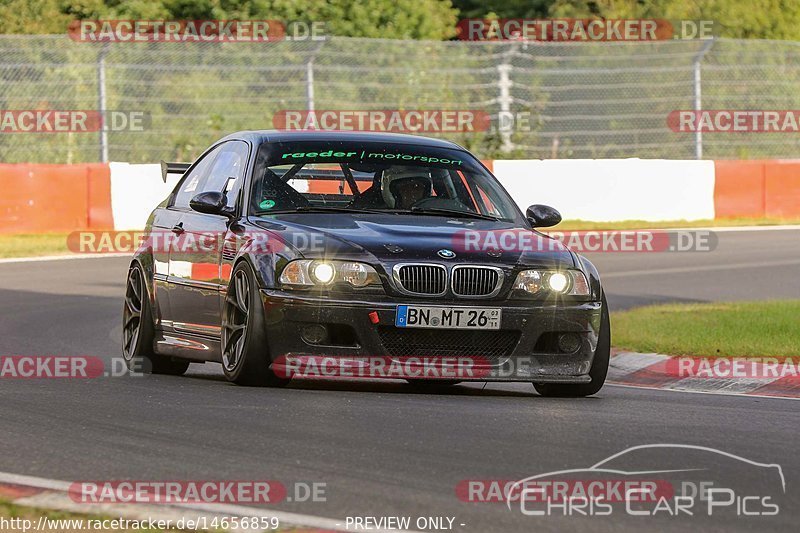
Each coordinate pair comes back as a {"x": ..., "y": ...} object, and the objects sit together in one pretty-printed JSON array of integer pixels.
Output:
[
  {"x": 61, "y": 198},
  {"x": 782, "y": 189},
  {"x": 769, "y": 189},
  {"x": 39, "y": 198}
]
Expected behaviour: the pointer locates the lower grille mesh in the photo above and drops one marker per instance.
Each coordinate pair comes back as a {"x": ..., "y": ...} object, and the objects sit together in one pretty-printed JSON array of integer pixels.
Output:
[{"x": 410, "y": 342}]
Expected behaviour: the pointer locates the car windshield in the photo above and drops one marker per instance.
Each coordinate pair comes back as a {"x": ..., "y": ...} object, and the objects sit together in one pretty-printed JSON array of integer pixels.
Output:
[{"x": 346, "y": 176}]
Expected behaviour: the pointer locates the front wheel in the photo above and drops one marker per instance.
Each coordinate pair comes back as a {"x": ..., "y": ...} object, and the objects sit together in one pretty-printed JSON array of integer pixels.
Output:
[
  {"x": 138, "y": 331},
  {"x": 598, "y": 372},
  {"x": 245, "y": 356}
]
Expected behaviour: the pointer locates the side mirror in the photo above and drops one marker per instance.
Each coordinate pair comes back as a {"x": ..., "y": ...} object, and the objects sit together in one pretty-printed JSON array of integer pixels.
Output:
[
  {"x": 542, "y": 216},
  {"x": 211, "y": 203}
]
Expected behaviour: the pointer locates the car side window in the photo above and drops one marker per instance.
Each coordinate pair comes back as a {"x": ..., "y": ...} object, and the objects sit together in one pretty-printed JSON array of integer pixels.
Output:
[
  {"x": 227, "y": 171},
  {"x": 195, "y": 182}
]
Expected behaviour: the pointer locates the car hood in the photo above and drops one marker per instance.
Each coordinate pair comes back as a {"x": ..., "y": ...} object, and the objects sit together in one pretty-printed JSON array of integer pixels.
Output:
[{"x": 396, "y": 238}]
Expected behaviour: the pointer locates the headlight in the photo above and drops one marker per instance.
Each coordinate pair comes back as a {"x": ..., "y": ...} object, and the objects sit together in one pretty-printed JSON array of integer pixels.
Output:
[
  {"x": 307, "y": 273},
  {"x": 557, "y": 282},
  {"x": 357, "y": 274},
  {"x": 529, "y": 281},
  {"x": 565, "y": 282},
  {"x": 323, "y": 272}
]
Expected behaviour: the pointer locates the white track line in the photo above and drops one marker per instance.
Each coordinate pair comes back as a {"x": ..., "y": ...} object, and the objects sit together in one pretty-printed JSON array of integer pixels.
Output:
[
  {"x": 717, "y": 229},
  {"x": 294, "y": 519},
  {"x": 730, "y": 229},
  {"x": 715, "y": 393},
  {"x": 36, "y": 482},
  {"x": 700, "y": 268}
]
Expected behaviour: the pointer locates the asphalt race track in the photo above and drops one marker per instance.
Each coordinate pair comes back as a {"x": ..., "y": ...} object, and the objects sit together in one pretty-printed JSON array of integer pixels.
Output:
[{"x": 381, "y": 447}]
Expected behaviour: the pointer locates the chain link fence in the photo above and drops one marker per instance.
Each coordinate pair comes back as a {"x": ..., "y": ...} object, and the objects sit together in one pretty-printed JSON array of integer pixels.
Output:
[{"x": 583, "y": 100}]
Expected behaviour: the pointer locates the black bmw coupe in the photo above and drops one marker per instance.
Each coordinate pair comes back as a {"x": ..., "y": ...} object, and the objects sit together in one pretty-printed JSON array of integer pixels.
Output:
[{"x": 359, "y": 255}]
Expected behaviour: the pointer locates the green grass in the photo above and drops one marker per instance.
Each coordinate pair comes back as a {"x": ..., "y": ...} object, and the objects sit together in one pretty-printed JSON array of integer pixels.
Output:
[
  {"x": 740, "y": 329},
  {"x": 9, "y": 511},
  {"x": 31, "y": 245}
]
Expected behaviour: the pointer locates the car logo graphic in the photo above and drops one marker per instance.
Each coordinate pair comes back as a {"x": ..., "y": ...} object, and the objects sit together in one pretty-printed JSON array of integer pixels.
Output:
[
  {"x": 612, "y": 466},
  {"x": 446, "y": 254}
]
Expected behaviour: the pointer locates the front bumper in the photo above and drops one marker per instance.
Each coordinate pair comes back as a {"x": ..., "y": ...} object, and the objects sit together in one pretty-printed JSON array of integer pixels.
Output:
[{"x": 527, "y": 358}]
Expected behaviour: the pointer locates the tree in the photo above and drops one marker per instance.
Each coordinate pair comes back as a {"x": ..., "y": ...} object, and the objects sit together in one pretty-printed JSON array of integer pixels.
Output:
[
  {"x": 389, "y": 19},
  {"x": 506, "y": 9},
  {"x": 744, "y": 19}
]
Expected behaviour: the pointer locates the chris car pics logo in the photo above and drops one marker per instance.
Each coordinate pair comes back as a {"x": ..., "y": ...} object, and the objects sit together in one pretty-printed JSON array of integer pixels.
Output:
[{"x": 680, "y": 481}]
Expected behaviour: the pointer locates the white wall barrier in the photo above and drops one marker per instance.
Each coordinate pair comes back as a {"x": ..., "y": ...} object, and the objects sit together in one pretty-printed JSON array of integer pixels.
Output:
[
  {"x": 606, "y": 190},
  {"x": 135, "y": 191}
]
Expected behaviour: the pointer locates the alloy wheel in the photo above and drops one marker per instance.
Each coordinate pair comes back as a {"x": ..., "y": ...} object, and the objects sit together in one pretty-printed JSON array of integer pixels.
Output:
[
  {"x": 132, "y": 314},
  {"x": 234, "y": 323}
]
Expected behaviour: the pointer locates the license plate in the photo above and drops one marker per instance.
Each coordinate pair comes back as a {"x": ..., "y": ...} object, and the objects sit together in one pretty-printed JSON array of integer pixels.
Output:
[{"x": 416, "y": 316}]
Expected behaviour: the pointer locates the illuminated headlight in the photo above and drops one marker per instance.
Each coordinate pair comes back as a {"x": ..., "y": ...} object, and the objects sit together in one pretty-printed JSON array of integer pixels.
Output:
[
  {"x": 323, "y": 273},
  {"x": 557, "y": 282},
  {"x": 307, "y": 273},
  {"x": 566, "y": 282}
]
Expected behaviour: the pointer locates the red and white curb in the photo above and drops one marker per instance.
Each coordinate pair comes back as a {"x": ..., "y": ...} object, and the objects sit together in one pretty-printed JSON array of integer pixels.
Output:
[
  {"x": 657, "y": 371},
  {"x": 48, "y": 494}
]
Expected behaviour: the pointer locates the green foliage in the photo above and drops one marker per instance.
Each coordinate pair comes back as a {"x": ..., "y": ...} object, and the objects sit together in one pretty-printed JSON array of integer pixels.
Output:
[
  {"x": 744, "y": 19},
  {"x": 408, "y": 19},
  {"x": 506, "y": 9},
  {"x": 389, "y": 19}
]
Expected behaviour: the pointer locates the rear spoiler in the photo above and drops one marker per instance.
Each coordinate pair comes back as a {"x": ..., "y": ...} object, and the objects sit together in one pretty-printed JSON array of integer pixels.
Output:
[{"x": 173, "y": 168}]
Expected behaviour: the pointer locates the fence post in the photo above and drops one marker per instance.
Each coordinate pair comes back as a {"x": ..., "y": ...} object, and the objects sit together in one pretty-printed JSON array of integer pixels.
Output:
[
  {"x": 310, "y": 77},
  {"x": 505, "y": 121},
  {"x": 504, "y": 99},
  {"x": 698, "y": 97},
  {"x": 101, "y": 102},
  {"x": 310, "y": 85}
]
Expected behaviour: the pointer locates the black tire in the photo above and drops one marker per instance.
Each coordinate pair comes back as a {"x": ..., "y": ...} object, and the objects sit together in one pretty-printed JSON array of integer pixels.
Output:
[
  {"x": 138, "y": 331},
  {"x": 245, "y": 356},
  {"x": 598, "y": 372}
]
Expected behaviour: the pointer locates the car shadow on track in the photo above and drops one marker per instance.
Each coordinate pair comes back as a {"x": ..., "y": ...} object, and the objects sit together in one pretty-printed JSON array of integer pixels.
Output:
[{"x": 210, "y": 373}]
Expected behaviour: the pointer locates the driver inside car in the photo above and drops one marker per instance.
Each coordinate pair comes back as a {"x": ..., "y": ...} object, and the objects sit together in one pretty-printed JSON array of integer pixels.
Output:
[{"x": 402, "y": 187}]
